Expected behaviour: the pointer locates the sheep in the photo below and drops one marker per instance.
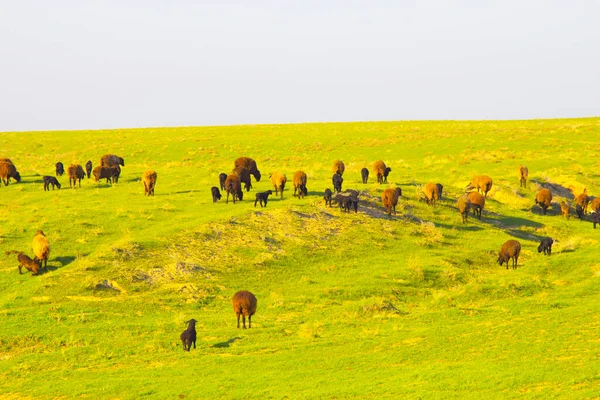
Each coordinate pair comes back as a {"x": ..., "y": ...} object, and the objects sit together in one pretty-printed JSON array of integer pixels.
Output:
[
  {"x": 109, "y": 173},
  {"x": 543, "y": 199},
  {"x": 278, "y": 180},
  {"x": 477, "y": 203},
  {"x": 222, "y": 177},
  {"x": 327, "y": 196},
  {"x": 381, "y": 171},
  {"x": 337, "y": 181},
  {"x": 524, "y": 174},
  {"x": 244, "y": 176},
  {"x": 244, "y": 304},
  {"x": 216, "y": 195},
  {"x": 583, "y": 200},
  {"x": 338, "y": 167},
  {"x": 579, "y": 212},
  {"x": 149, "y": 180},
  {"x": 250, "y": 165},
  {"x": 75, "y": 173},
  {"x": 510, "y": 249},
  {"x": 50, "y": 180},
  {"x": 233, "y": 187},
  {"x": 351, "y": 192},
  {"x": 41, "y": 248},
  {"x": 546, "y": 246},
  {"x": 262, "y": 197},
  {"x": 389, "y": 199},
  {"x": 480, "y": 182},
  {"x": 109, "y": 160},
  {"x": 26, "y": 262},
  {"x": 347, "y": 200},
  {"x": 431, "y": 193},
  {"x": 60, "y": 168},
  {"x": 7, "y": 171},
  {"x": 464, "y": 204},
  {"x": 565, "y": 210},
  {"x": 188, "y": 337},
  {"x": 439, "y": 187},
  {"x": 364, "y": 173},
  {"x": 595, "y": 204},
  {"x": 88, "y": 168},
  {"x": 299, "y": 181}
]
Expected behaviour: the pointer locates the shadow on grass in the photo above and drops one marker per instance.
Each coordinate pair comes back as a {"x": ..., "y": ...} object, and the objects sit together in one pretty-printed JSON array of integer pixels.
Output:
[
  {"x": 64, "y": 261},
  {"x": 225, "y": 344},
  {"x": 555, "y": 188}
]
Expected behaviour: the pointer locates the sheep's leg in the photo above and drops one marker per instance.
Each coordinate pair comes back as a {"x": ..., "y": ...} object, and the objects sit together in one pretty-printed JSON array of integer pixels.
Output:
[
  {"x": 244, "y": 320},
  {"x": 255, "y": 201},
  {"x": 249, "y": 321},
  {"x": 194, "y": 343},
  {"x": 238, "y": 320},
  {"x": 20, "y": 271},
  {"x": 227, "y": 199}
]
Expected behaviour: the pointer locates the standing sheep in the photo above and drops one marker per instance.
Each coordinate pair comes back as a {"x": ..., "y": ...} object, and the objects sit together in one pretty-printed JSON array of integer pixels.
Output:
[
  {"x": 440, "y": 188},
  {"x": 565, "y": 210},
  {"x": 364, "y": 173},
  {"x": 544, "y": 199},
  {"x": 108, "y": 160},
  {"x": 278, "y": 180},
  {"x": 7, "y": 171},
  {"x": 338, "y": 167},
  {"x": 381, "y": 171},
  {"x": 75, "y": 172},
  {"x": 188, "y": 337},
  {"x": 149, "y": 180},
  {"x": 109, "y": 173},
  {"x": 250, "y": 165},
  {"x": 299, "y": 181},
  {"x": 523, "y": 174},
  {"x": 60, "y": 168},
  {"x": 328, "y": 196},
  {"x": 431, "y": 193},
  {"x": 583, "y": 200},
  {"x": 337, "y": 181},
  {"x": 262, "y": 198},
  {"x": 464, "y": 204},
  {"x": 477, "y": 203},
  {"x": 88, "y": 168},
  {"x": 389, "y": 198},
  {"x": 546, "y": 246},
  {"x": 244, "y": 304},
  {"x": 222, "y": 178},
  {"x": 510, "y": 249},
  {"x": 233, "y": 187},
  {"x": 216, "y": 195},
  {"x": 482, "y": 183},
  {"x": 41, "y": 248}
]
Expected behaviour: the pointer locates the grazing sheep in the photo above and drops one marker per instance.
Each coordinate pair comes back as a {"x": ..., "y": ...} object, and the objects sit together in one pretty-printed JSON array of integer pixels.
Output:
[
  {"x": 583, "y": 200},
  {"x": 464, "y": 205},
  {"x": 278, "y": 180},
  {"x": 524, "y": 174},
  {"x": 381, "y": 171},
  {"x": 480, "y": 182},
  {"x": 222, "y": 177},
  {"x": 337, "y": 181},
  {"x": 595, "y": 218},
  {"x": 149, "y": 180},
  {"x": 510, "y": 249},
  {"x": 108, "y": 160},
  {"x": 60, "y": 169},
  {"x": 244, "y": 304},
  {"x": 477, "y": 203},
  {"x": 299, "y": 181},
  {"x": 389, "y": 199},
  {"x": 347, "y": 200},
  {"x": 244, "y": 175},
  {"x": 262, "y": 197},
  {"x": 50, "y": 180},
  {"x": 546, "y": 246},
  {"x": 543, "y": 199},
  {"x": 26, "y": 262},
  {"x": 364, "y": 173},
  {"x": 440, "y": 188},
  {"x": 7, "y": 171},
  {"x": 565, "y": 210},
  {"x": 233, "y": 187},
  {"x": 41, "y": 248},
  {"x": 250, "y": 165},
  {"x": 75, "y": 173},
  {"x": 216, "y": 195},
  {"x": 111, "y": 174},
  {"x": 188, "y": 337},
  {"x": 327, "y": 196},
  {"x": 431, "y": 193},
  {"x": 88, "y": 168},
  {"x": 338, "y": 167},
  {"x": 579, "y": 212}
]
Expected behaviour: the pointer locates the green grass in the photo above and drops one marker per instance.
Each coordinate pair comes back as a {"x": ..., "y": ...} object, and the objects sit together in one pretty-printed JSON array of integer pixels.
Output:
[{"x": 349, "y": 306}]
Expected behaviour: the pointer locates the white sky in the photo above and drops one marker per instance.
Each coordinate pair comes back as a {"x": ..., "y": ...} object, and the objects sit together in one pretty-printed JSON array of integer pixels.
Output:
[{"x": 75, "y": 64}]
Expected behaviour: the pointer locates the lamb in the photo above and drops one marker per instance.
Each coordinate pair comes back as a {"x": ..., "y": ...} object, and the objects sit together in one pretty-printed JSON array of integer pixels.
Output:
[
  {"x": 477, "y": 203},
  {"x": 262, "y": 197},
  {"x": 347, "y": 200},
  {"x": 546, "y": 246},
  {"x": 60, "y": 169},
  {"x": 41, "y": 248},
  {"x": 327, "y": 196},
  {"x": 565, "y": 210},
  {"x": 431, "y": 193},
  {"x": 50, "y": 180},
  {"x": 338, "y": 167},
  {"x": 189, "y": 335},
  {"x": 216, "y": 195},
  {"x": 524, "y": 174},
  {"x": 337, "y": 181},
  {"x": 595, "y": 218},
  {"x": 109, "y": 173},
  {"x": 250, "y": 165},
  {"x": 149, "y": 180},
  {"x": 278, "y": 180},
  {"x": 480, "y": 182},
  {"x": 299, "y": 181},
  {"x": 464, "y": 204},
  {"x": 7, "y": 171},
  {"x": 579, "y": 212},
  {"x": 364, "y": 173},
  {"x": 108, "y": 160},
  {"x": 222, "y": 178},
  {"x": 75, "y": 173},
  {"x": 88, "y": 168},
  {"x": 510, "y": 249},
  {"x": 244, "y": 304},
  {"x": 440, "y": 187},
  {"x": 544, "y": 199},
  {"x": 244, "y": 176},
  {"x": 583, "y": 200},
  {"x": 381, "y": 171},
  {"x": 26, "y": 262},
  {"x": 389, "y": 199},
  {"x": 233, "y": 187}
]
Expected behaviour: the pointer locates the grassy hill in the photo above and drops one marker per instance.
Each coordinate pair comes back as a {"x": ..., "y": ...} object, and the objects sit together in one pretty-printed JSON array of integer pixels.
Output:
[{"x": 349, "y": 305}]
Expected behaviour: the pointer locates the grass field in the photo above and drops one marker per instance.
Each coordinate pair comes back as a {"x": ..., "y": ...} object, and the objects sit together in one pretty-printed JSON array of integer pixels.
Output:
[{"x": 349, "y": 305}]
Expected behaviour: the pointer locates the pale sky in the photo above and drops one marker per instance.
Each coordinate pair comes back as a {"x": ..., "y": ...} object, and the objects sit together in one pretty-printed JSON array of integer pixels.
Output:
[{"x": 91, "y": 64}]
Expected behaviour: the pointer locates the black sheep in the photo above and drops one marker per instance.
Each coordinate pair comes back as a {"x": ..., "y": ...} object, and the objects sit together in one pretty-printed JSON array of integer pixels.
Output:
[
  {"x": 88, "y": 168},
  {"x": 60, "y": 169},
  {"x": 346, "y": 202},
  {"x": 386, "y": 172},
  {"x": 189, "y": 335},
  {"x": 546, "y": 246},
  {"x": 262, "y": 197},
  {"x": 327, "y": 197},
  {"x": 579, "y": 211},
  {"x": 50, "y": 180},
  {"x": 337, "y": 181},
  {"x": 596, "y": 218},
  {"x": 216, "y": 194},
  {"x": 364, "y": 173},
  {"x": 222, "y": 178}
]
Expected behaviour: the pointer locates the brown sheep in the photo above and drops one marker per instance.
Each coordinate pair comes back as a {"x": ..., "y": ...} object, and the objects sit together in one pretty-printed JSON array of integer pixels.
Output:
[
  {"x": 510, "y": 249},
  {"x": 583, "y": 200},
  {"x": 75, "y": 172},
  {"x": 477, "y": 203},
  {"x": 108, "y": 160},
  {"x": 565, "y": 210},
  {"x": 338, "y": 167},
  {"x": 233, "y": 186},
  {"x": 6, "y": 160},
  {"x": 149, "y": 180},
  {"x": 523, "y": 174},
  {"x": 464, "y": 205},
  {"x": 111, "y": 174},
  {"x": 278, "y": 180},
  {"x": 480, "y": 182},
  {"x": 250, "y": 165},
  {"x": 299, "y": 181},
  {"x": 244, "y": 304},
  {"x": 244, "y": 176},
  {"x": 41, "y": 248},
  {"x": 26, "y": 262},
  {"x": 7, "y": 171},
  {"x": 381, "y": 171},
  {"x": 544, "y": 199},
  {"x": 431, "y": 193},
  {"x": 389, "y": 199},
  {"x": 595, "y": 204}
]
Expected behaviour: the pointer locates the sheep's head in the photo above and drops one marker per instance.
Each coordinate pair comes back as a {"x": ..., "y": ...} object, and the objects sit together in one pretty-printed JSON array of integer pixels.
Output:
[
  {"x": 18, "y": 177},
  {"x": 399, "y": 191},
  {"x": 268, "y": 192},
  {"x": 387, "y": 171},
  {"x": 121, "y": 161},
  {"x": 257, "y": 175},
  {"x": 191, "y": 322},
  {"x": 501, "y": 260}
]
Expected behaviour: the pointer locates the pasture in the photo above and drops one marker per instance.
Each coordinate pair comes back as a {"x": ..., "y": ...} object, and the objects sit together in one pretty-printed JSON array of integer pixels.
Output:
[{"x": 350, "y": 305}]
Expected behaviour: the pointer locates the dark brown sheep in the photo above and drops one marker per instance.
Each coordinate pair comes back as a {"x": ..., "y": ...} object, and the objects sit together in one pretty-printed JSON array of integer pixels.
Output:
[
  {"x": 544, "y": 199},
  {"x": 7, "y": 171},
  {"x": 477, "y": 203},
  {"x": 381, "y": 171},
  {"x": 25, "y": 262},
  {"x": 440, "y": 189},
  {"x": 565, "y": 210},
  {"x": 337, "y": 181},
  {"x": 188, "y": 337},
  {"x": 244, "y": 175},
  {"x": 364, "y": 174},
  {"x": 464, "y": 205},
  {"x": 216, "y": 194},
  {"x": 583, "y": 200},
  {"x": 233, "y": 187},
  {"x": 88, "y": 168},
  {"x": 250, "y": 165},
  {"x": 244, "y": 304},
  {"x": 50, "y": 180},
  {"x": 299, "y": 181},
  {"x": 338, "y": 167},
  {"x": 60, "y": 168},
  {"x": 327, "y": 195},
  {"x": 75, "y": 172},
  {"x": 482, "y": 183},
  {"x": 278, "y": 180},
  {"x": 108, "y": 160},
  {"x": 108, "y": 173},
  {"x": 41, "y": 248},
  {"x": 389, "y": 199},
  {"x": 431, "y": 193},
  {"x": 510, "y": 249},
  {"x": 222, "y": 177},
  {"x": 596, "y": 218},
  {"x": 523, "y": 174},
  {"x": 545, "y": 246},
  {"x": 149, "y": 180},
  {"x": 262, "y": 198}
]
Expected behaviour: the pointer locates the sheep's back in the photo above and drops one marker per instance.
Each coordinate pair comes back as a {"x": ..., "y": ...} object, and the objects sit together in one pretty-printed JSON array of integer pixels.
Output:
[
  {"x": 463, "y": 203},
  {"x": 544, "y": 196},
  {"x": 510, "y": 248},
  {"x": 476, "y": 199},
  {"x": 299, "y": 178},
  {"x": 244, "y": 302},
  {"x": 149, "y": 176},
  {"x": 379, "y": 167},
  {"x": 431, "y": 191},
  {"x": 41, "y": 246}
]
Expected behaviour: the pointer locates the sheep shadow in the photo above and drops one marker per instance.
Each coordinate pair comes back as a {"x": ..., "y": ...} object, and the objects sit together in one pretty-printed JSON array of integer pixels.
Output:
[
  {"x": 555, "y": 188},
  {"x": 512, "y": 222},
  {"x": 524, "y": 235},
  {"x": 182, "y": 192},
  {"x": 223, "y": 345},
  {"x": 64, "y": 261},
  {"x": 461, "y": 227},
  {"x": 537, "y": 210}
]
